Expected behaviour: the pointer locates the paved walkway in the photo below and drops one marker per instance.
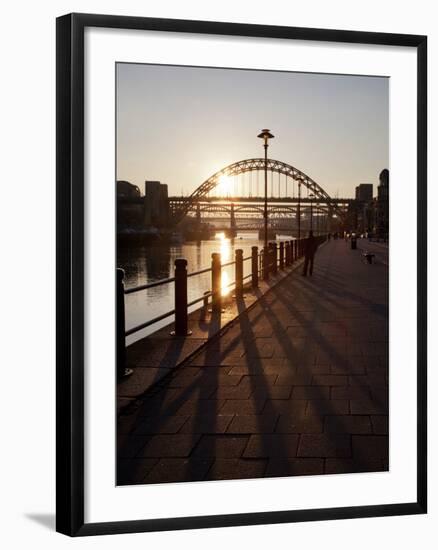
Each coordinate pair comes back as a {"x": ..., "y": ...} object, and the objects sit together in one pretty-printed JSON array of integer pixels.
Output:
[{"x": 298, "y": 385}]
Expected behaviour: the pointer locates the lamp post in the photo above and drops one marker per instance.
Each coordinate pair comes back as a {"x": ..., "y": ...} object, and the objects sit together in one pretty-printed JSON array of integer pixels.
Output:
[
  {"x": 266, "y": 135},
  {"x": 318, "y": 218},
  {"x": 299, "y": 210},
  {"x": 311, "y": 197}
]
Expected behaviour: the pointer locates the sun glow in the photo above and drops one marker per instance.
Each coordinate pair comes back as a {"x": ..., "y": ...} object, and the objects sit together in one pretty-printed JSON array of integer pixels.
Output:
[
  {"x": 224, "y": 186},
  {"x": 225, "y": 252}
]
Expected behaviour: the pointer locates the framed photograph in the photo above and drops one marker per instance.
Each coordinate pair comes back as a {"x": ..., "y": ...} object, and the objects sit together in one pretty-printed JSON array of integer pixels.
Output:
[{"x": 241, "y": 274}]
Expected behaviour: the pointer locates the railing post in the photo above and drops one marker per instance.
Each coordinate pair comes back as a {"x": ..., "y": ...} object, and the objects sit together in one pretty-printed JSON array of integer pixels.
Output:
[
  {"x": 281, "y": 255},
  {"x": 291, "y": 252},
  {"x": 255, "y": 266},
  {"x": 181, "y": 313},
  {"x": 121, "y": 344},
  {"x": 274, "y": 258},
  {"x": 265, "y": 261},
  {"x": 216, "y": 276},
  {"x": 297, "y": 242},
  {"x": 239, "y": 271}
]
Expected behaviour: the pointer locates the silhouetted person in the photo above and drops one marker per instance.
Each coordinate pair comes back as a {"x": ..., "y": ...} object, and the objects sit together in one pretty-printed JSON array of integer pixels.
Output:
[{"x": 310, "y": 247}]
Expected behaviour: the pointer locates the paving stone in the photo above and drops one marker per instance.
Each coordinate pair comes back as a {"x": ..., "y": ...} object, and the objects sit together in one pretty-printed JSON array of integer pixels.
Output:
[
  {"x": 350, "y": 392},
  {"x": 297, "y": 424},
  {"x": 297, "y": 379},
  {"x": 370, "y": 447},
  {"x": 207, "y": 424},
  {"x": 200, "y": 406},
  {"x": 243, "y": 406},
  {"x": 324, "y": 445},
  {"x": 294, "y": 467},
  {"x": 253, "y": 424},
  {"x": 329, "y": 380},
  {"x": 350, "y": 465},
  {"x": 134, "y": 470},
  {"x": 160, "y": 424},
  {"x": 160, "y": 446},
  {"x": 367, "y": 406},
  {"x": 220, "y": 446},
  {"x": 260, "y": 380},
  {"x": 272, "y": 392},
  {"x": 310, "y": 392},
  {"x": 237, "y": 469},
  {"x": 271, "y": 446},
  {"x": 347, "y": 424},
  {"x": 233, "y": 392},
  {"x": 171, "y": 470},
  {"x": 285, "y": 406},
  {"x": 328, "y": 406},
  {"x": 348, "y": 369},
  {"x": 380, "y": 424},
  {"x": 367, "y": 380}
]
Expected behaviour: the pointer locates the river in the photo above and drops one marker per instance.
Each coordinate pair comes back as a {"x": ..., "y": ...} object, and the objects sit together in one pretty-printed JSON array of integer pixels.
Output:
[{"x": 145, "y": 264}]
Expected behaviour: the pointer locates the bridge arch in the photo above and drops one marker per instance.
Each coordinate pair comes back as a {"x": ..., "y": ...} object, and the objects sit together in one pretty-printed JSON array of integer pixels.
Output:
[{"x": 250, "y": 165}]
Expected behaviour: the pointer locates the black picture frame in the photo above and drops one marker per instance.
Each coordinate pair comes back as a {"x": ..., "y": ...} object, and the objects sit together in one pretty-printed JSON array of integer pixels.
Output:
[{"x": 70, "y": 272}]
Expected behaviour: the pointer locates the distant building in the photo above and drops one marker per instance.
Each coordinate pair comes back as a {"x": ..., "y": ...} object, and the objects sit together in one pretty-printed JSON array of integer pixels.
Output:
[
  {"x": 382, "y": 204},
  {"x": 364, "y": 192},
  {"x": 129, "y": 206},
  {"x": 363, "y": 210},
  {"x": 127, "y": 190},
  {"x": 156, "y": 204}
]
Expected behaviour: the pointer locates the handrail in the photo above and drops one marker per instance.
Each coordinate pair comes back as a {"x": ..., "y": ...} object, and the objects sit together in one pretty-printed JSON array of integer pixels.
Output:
[
  {"x": 149, "y": 285},
  {"x": 290, "y": 252}
]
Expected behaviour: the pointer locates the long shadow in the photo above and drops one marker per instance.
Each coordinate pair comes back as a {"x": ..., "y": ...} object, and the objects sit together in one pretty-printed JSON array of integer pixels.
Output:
[{"x": 360, "y": 462}]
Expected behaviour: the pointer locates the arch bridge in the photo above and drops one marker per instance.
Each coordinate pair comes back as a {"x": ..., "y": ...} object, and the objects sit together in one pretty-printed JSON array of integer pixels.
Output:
[{"x": 237, "y": 191}]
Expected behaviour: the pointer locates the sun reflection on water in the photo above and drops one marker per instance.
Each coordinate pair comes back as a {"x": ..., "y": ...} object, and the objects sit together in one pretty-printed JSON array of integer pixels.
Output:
[{"x": 225, "y": 252}]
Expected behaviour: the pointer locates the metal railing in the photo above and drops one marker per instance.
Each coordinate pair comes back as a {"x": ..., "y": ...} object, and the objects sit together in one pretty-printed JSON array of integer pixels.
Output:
[{"x": 264, "y": 263}]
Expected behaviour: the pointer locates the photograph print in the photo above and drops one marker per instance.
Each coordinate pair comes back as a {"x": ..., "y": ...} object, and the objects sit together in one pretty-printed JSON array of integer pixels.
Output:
[{"x": 252, "y": 274}]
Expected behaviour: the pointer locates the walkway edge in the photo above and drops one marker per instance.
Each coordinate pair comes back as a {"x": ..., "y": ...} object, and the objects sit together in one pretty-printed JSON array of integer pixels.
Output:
[{"x": 123, "y": 410}]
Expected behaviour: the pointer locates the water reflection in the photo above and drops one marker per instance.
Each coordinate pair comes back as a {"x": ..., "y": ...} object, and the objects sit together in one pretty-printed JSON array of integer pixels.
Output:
[
  {"x": 143, "y": 264},
  {"x": 225, "y": 252}
]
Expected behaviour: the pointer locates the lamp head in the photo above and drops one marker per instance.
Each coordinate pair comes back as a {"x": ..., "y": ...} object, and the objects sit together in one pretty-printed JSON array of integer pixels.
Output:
[{"x": 265, "y": 135}]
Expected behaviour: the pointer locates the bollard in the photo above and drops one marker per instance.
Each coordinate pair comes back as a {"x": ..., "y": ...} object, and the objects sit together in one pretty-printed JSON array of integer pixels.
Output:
[
  {"x": 204, "y": 309},
  {"x": 274, "y": 267},
  {"x": 254, "y": 266},
  {"x": 121, "y": 344},
  {"x": 265, "y": 263},
  {"x": 281, "y": 255},
  {"x": 239, "y": 271},
  {"x": 181, "y": 312},
  {"x": 286, "y": 253},
  {"x": 216, "y": 275}
]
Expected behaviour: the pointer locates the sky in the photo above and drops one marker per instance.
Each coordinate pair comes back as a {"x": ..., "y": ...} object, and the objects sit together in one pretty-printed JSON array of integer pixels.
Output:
[{"x": 180, "y": 125}]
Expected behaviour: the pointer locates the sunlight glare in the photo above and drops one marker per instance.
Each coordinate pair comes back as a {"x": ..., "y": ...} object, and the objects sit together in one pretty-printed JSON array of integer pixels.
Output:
[{"x": 224, "y": 186}]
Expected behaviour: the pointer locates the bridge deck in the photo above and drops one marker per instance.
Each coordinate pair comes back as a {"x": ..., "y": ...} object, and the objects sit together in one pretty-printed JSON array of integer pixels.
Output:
[{"x": 296, "y": 386}]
